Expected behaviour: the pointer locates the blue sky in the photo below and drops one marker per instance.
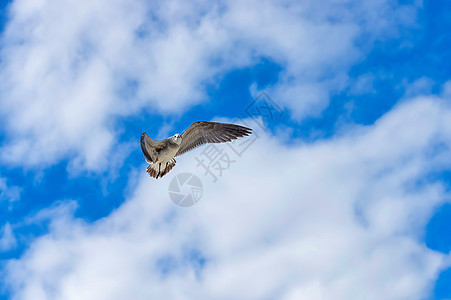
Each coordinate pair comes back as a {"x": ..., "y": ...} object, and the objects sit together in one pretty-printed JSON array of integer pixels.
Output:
[{"x": 353, "y": 179}]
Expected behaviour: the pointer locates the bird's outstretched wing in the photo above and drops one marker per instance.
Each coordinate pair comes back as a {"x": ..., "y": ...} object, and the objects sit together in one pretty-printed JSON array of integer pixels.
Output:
[
  {"x": 200, "y": 133},
  {"x": 150, "y": 148}
]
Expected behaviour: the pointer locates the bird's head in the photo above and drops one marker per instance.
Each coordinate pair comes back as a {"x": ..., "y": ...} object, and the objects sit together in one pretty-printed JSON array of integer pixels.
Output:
[{"x": 177, "y": 138}]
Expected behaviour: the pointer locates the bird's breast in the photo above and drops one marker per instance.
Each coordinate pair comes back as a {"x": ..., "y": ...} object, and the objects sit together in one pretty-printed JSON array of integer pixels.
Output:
[{"x": 167, "y": 153}]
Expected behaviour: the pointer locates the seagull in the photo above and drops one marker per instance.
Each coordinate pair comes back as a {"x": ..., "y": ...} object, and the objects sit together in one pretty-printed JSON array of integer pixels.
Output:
[{"x": 160, "y": 154}]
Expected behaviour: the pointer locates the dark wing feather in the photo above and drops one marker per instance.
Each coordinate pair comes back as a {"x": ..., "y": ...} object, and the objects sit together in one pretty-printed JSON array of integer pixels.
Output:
[
  {"x": 149, "y": 148},
  {"x": 200, "y": 133}
]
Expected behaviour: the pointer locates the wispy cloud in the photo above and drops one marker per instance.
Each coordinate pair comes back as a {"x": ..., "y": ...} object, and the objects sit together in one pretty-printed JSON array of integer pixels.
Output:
[
  {"x": 7, "y": 238},
  {"x": 8, "y": 193}
]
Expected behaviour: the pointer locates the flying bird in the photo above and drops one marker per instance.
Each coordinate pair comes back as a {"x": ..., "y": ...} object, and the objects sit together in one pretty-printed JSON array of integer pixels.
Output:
[{"x": 160, "y": 154}]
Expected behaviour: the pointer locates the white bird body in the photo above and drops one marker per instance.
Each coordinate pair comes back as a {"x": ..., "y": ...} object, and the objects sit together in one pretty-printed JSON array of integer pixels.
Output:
[{"x": 160, "y": 154}]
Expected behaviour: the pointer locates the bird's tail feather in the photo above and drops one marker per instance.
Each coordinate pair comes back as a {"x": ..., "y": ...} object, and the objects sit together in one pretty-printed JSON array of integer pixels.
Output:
[{"x": 158, "y": 170}]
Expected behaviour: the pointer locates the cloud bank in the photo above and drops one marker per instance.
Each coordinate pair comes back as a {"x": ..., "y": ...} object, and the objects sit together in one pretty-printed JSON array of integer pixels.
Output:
[
  {"x": 70, "y": 69},
  {"x": 337, "y": 219}
]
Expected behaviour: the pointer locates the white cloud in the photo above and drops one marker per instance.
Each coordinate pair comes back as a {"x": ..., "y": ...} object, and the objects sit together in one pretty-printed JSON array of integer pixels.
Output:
[
  {"x": 7, "y": 240},
  {"x": 446, "y": 91},
  {"x": 421, "y": 86},
  {"x": 69, "y": 69},
  {"x": 337, "y": 219},
  {"x": 10, "y": 194},
  {"x": 363, "y": 85}
]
